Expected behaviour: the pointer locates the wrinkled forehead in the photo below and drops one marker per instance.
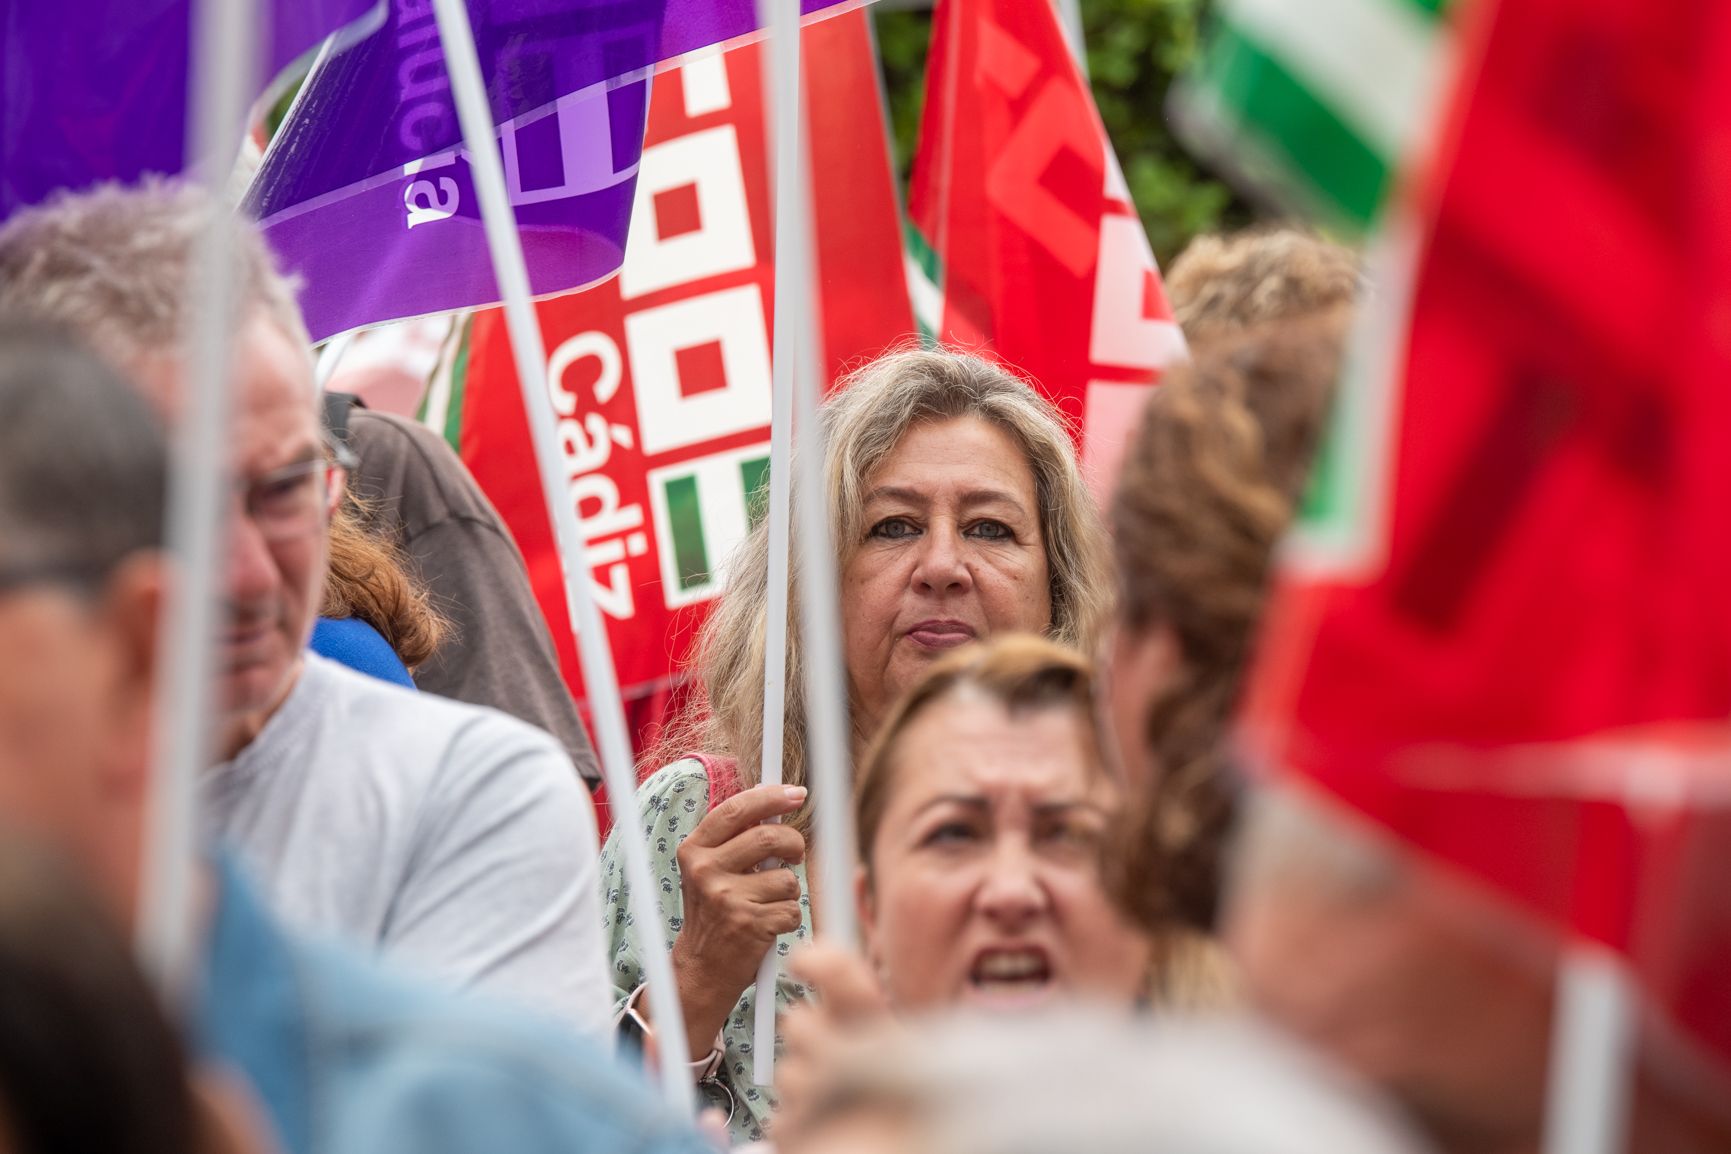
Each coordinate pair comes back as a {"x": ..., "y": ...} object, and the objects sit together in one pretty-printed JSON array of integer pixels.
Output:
[
  {"x": 971, "y": 739},
  {"x": 272, "y": 390}
]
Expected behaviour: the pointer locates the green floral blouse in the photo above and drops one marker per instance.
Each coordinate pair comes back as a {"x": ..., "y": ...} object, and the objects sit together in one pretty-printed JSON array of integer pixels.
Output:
[{"x": 672, "y": 801}]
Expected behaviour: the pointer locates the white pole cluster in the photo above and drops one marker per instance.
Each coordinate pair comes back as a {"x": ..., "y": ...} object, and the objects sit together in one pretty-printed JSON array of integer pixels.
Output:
[
  {"x": 788, "y": 169},
  {"x": 599, "y": 676},
  {"x": 798, "y": 389},
  {"x": 224, "y": 53}
]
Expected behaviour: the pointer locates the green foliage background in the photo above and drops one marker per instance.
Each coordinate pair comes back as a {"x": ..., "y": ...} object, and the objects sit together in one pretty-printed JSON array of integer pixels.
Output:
[{"x": 1135, "y": 49}]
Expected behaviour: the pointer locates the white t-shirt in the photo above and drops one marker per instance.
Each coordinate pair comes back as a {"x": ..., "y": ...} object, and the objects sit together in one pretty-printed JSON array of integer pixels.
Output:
[{"x": 448, "y": 838}]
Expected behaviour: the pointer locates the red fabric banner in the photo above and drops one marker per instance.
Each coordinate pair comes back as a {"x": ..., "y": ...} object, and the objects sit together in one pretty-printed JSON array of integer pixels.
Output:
[
  {"x": 1024, "y": 229},
  {"x": 661, "y": 377},
  {"x": 1526, "y": 670}
]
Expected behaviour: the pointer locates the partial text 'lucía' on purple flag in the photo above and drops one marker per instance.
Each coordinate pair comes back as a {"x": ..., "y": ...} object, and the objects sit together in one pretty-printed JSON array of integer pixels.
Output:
[
  {"x": 97, "y": 90},
  {"x": 366, "y": 192}
]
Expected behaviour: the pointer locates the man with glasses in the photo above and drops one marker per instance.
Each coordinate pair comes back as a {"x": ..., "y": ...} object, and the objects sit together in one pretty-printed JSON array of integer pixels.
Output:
[
  {"x": 343, "y": 1058},
  {"x": 444, "y": 836}
]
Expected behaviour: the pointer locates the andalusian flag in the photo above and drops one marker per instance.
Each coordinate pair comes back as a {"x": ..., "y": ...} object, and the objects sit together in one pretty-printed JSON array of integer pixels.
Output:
[{"x": 1320, "y": 103}]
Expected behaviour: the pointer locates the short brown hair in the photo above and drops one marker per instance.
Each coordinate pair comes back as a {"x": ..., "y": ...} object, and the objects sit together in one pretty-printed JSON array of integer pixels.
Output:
[
  {"x": 370, "y": 579},
  {"x": 1224, "y": 284},
  {"x": 1021, "y": 672},
  {"x": 1209, "y": 485}
]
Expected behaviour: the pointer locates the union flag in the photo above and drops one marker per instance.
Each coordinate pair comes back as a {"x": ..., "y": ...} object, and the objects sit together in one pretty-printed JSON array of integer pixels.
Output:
[
  {"x": 1024, "y": 243},
  {"x": 1502, "y": 628}
]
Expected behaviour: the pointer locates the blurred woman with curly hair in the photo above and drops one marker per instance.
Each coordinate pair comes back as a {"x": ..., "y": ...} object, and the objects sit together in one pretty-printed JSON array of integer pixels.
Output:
[{"x": 1209, "y": 484}]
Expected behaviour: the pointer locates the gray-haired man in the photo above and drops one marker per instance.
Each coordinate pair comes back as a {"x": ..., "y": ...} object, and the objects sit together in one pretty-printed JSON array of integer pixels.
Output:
[
  {"x": 449, "y": 838},
  {"x": 345, "y": 1059}
]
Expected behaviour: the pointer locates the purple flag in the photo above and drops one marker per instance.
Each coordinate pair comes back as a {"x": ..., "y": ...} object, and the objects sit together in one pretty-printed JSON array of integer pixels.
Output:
[
  {"x": 97, "y": 89},
  {"x": 366, "y": 191}
]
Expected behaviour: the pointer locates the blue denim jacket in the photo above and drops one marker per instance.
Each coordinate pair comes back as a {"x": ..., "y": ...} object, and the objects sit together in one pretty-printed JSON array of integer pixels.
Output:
[{"x": 349, "y": 1059}]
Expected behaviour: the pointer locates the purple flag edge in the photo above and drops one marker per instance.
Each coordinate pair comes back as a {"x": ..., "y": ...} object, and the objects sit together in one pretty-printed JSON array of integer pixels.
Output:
[
  {"x": 361, "y": 310},
  {"x": 813, "y": 12},
  {"x": 282, "y": 74}
]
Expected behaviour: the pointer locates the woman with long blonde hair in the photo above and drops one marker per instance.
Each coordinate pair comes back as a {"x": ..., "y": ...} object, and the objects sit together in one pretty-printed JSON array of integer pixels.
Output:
[{"x": 958, "y": 512}]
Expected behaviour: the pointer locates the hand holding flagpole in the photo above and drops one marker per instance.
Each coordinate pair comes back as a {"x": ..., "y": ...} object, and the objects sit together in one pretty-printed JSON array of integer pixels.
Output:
[{"x": 797, "y": 388}]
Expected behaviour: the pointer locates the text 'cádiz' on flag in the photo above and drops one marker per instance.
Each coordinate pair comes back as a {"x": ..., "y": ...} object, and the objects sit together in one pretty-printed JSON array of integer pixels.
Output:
[
  {"x": 366, "y": 192},
  {"x": 97, "y": 90}
]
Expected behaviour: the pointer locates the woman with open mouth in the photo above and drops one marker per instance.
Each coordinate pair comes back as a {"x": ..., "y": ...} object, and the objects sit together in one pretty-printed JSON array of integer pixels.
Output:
[{"x": 982, "y": 810}]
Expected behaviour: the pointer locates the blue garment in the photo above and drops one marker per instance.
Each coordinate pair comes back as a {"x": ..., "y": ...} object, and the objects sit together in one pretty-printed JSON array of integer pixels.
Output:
[
  {"x": 360, "y": 647},
  {"x": 350, "y": 1060}
]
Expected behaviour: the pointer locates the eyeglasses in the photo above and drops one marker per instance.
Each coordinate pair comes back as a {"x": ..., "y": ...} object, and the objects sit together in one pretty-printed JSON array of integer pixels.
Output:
[{"x": 289, "y": 503}]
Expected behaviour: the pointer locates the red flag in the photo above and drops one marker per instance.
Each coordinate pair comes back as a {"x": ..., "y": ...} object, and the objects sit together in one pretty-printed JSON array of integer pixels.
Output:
[
  {"x": 1522, "y": 660},
  {"x": 661, "y": 377},
  {"x": 1025, "y": 241}
]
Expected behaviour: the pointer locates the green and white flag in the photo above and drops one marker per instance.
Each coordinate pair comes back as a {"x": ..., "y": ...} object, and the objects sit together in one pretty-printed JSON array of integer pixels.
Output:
[
  {"x": 1317, "y": 104},
  {"x": 703, "y": 509}
]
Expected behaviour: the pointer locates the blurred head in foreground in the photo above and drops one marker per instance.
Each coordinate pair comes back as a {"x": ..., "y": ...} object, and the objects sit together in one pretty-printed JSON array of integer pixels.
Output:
[
  {"x": 1103, "y": 1085},
  {"x": 115, "y": 266},
  {"x": 1210, "y": 483},
  {"x": 1427, "y": 988},
  {"x": 1222, "y": 285},
  {"x": 983, "y": 807},
  {"x": 88, "y": 1061},
  {"x": 82, "y": 467}
]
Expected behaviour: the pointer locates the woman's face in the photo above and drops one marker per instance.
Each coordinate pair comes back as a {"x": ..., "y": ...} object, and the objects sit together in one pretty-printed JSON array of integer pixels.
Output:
[
  {"x": 985, "y": 887},
  {"x": 952, "y": 550}
]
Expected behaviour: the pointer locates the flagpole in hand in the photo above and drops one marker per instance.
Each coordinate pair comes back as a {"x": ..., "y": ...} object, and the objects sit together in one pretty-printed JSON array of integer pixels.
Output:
[
  {"x": 795, "y": 397},
  {"x": 220, "y": 82},
  {"x": 778, "y": 513},
  {"x": 599, "y": 676},
  {"x": 1592, "y": 1045}
]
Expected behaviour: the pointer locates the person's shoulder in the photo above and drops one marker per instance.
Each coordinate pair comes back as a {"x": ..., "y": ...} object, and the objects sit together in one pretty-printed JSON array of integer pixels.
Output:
[
  {"x": 675, "y": 779},
  {"x": 425, "y": 1070},
  {"x": 429, "y": 730},
  {"x": 403, "y": 460},
  {"x": 372, "y": 701},
  {"x": 389, "y": 432},
  {"x": 354, "y": 643},
  {"x": 671, "y": 801}
]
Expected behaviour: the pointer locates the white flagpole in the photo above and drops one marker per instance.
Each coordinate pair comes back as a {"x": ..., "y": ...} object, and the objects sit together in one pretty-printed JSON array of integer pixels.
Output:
[
  {"x": 530, "y": 352},
  {"x": 1592, "y": 1052},
  {"x": 1070, "y": 13},
  {"x": 331, "y": 356},
  {"x": 797, "y": 373},
  {"x": 828, "y": 742},
  {"x": 224, "y": 55},
  {"x": 785, "y": 168}
]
